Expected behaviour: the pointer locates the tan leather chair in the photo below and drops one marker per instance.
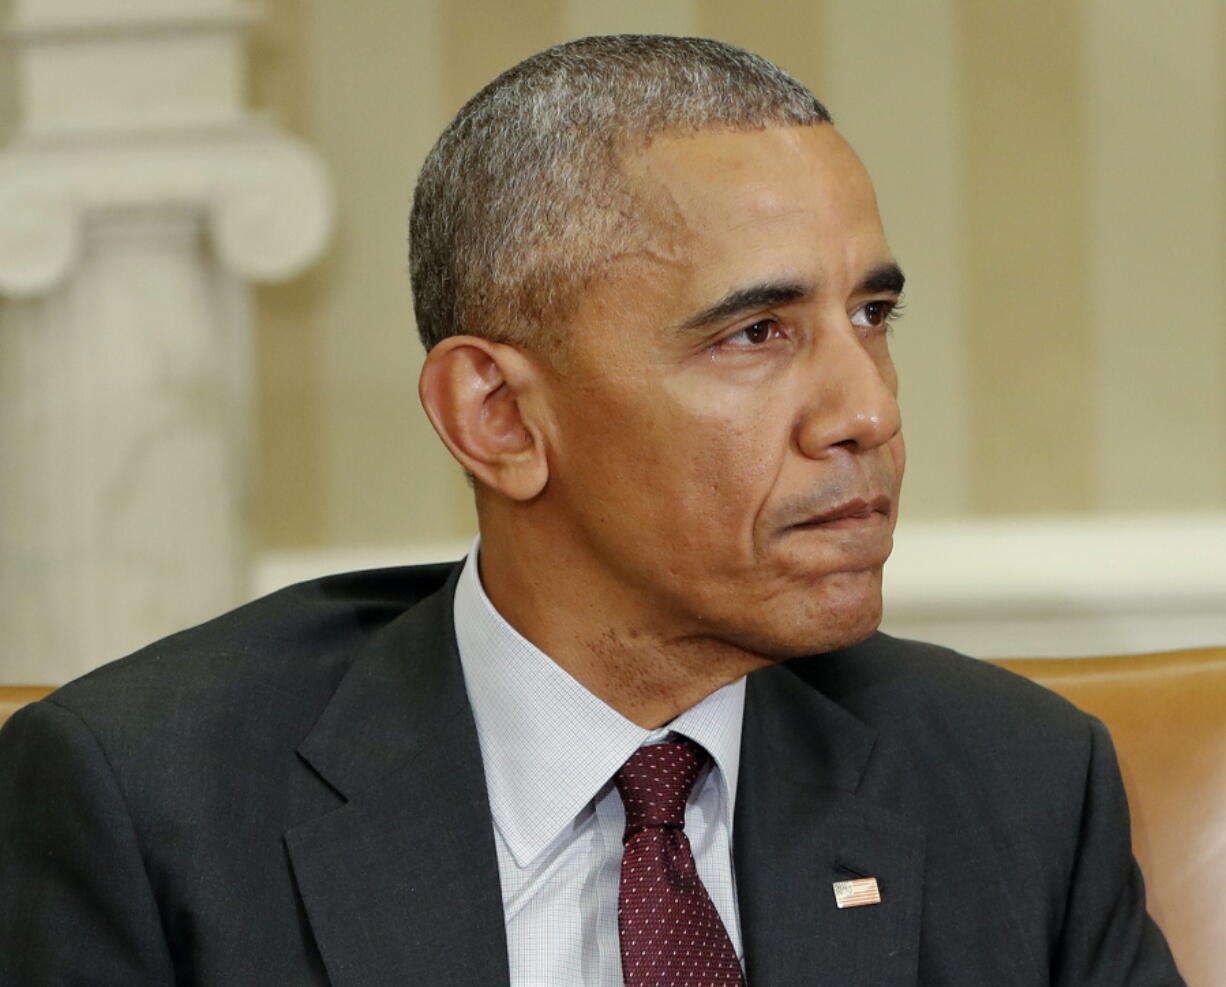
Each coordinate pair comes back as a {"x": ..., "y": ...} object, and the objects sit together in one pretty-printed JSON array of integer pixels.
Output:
[
  {"x": 13, "y": 697},
  {"x": 1167, "y": 715}
]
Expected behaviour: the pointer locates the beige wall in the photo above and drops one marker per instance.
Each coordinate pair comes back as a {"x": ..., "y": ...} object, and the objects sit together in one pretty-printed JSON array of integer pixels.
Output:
[
  {"x": 8, "y": 84},
  {"x": 1052, "y": 174}
]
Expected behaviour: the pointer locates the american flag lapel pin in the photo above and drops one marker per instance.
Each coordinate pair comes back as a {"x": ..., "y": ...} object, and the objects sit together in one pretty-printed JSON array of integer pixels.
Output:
[{"x": 853, "y": 894}]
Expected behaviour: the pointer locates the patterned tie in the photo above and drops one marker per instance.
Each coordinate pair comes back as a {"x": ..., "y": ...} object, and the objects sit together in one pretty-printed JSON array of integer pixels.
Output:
[{"x": 671, "y": 934}]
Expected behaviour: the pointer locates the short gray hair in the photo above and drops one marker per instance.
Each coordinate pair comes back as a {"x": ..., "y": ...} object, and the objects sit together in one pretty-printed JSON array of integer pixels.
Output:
[{"x": 523, "y": 196}]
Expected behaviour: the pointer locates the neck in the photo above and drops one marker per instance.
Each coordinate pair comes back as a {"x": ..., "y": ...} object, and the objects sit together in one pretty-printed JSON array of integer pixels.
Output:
[{"x": 613, "y": 646}]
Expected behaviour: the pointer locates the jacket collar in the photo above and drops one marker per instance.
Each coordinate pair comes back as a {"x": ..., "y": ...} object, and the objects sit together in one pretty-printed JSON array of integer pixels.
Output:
[{"x": 400, "y": 883}]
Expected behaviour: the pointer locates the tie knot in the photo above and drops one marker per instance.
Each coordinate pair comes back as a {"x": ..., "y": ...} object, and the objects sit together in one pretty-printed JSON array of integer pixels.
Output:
[{"x": 656, "y": 781}]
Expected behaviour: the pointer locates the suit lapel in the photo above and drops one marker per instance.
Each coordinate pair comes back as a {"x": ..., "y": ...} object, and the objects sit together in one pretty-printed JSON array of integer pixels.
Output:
[
  {"x": 812, "y": 809},
  {"x": 400, "y": 884}
]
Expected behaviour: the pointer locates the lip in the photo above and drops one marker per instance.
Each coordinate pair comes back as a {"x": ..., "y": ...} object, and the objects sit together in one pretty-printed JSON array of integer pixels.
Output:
[{"x": 855, "y": 513}]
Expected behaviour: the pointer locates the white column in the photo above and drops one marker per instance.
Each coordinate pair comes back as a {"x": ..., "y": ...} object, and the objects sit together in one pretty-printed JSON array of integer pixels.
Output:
[
  {"x": 1156, "y": 115},
  {"x": 137, "y": 201}
]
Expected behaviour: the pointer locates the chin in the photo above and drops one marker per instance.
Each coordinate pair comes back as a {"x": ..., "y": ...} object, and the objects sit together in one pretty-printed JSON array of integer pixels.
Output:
[{"x": 845, "y": 610}]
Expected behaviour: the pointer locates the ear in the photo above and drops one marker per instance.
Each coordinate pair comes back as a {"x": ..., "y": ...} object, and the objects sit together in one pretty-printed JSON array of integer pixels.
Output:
[{"x": 478, "y": 395}]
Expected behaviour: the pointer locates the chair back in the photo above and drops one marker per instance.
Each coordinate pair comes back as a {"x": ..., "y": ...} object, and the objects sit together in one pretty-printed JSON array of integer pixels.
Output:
[
  {"x": 1167, "y": 715},
  {"x": 13, "y": 697}
]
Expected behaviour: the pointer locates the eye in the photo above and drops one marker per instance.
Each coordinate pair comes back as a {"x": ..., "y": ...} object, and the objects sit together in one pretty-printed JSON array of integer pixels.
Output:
[
  {"x": 875, "y": 314},
  {"x": 762, "y": 331}
]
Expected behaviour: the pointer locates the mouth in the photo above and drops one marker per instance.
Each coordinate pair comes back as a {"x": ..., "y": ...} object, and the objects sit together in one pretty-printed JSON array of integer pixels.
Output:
[{"x": 852, "y": 514}]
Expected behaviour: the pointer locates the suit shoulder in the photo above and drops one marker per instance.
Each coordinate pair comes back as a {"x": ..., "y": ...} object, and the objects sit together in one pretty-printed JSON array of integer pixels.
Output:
[
  {"x": 285, "y": 650},
  {"x": 887, "y": 680}
]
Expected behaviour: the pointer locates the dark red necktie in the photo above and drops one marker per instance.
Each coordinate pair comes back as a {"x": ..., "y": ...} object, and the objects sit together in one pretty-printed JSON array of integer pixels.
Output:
[{"x": 671, "y": 934}]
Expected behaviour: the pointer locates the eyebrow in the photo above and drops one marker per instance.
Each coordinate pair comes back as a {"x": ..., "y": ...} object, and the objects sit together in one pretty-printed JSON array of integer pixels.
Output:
[
  {"x": 887, "y": 278},
  {"x": 739, "y": 300}
]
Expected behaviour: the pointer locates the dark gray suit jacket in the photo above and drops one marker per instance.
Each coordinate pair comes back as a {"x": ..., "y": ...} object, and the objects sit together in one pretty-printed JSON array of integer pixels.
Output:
[{"x": 293, "y": 794}]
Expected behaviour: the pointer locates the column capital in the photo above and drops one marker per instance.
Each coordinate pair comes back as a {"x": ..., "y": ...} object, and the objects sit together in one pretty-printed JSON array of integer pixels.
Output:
[{"x": 263, "y": 196}]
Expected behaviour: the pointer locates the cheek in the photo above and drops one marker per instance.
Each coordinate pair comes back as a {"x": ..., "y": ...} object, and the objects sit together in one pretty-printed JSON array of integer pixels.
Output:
[
  {"x": 692, "y": 465},
  {"x": 734, "y": 463},
  {"x": 716, "y": 476},
  {"x": 898, "y": 452}
]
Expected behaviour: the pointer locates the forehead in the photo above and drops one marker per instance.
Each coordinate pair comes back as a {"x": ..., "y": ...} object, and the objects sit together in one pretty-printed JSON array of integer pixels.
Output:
[
  {"x": 767, "y": 172},
  {"x": 723, "y": 208}
]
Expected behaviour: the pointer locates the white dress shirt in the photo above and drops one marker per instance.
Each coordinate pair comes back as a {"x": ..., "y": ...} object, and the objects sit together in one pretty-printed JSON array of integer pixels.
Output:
[{"x": 550, "y": 749}]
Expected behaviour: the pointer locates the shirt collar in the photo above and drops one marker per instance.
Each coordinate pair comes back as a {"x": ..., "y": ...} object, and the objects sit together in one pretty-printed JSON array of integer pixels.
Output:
[{"x": 548, "y": 744}]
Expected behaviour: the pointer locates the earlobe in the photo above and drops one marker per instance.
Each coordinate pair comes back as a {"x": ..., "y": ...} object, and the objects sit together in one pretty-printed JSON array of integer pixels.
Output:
[{"x": 476, "y": 394}]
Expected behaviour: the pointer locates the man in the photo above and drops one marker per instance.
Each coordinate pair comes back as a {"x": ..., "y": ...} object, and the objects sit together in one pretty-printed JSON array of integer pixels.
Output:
[{"x": 656, "y": 297}]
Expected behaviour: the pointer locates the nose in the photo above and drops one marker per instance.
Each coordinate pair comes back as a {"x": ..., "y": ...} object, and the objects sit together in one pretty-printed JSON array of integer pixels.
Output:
[{"x": 854, "y": 405}]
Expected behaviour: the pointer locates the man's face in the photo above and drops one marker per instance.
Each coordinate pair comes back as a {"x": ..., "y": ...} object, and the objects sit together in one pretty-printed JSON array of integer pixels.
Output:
[{"x": 726, "y": 452}]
